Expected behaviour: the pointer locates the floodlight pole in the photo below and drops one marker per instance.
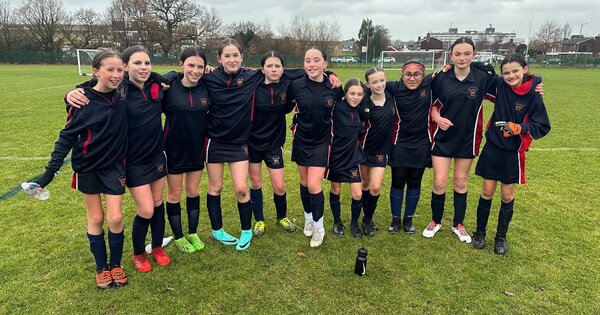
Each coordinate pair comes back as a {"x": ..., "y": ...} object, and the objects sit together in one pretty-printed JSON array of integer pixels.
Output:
[
  {"x": 578, "y": 41},
  {"x": 528, "y": 39}
]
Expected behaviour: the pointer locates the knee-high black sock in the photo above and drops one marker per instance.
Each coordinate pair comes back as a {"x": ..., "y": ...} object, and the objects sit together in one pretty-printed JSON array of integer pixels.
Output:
[
  {"x": 192, "y": 206},
  {"x": 98, "y": 249},
  {"x": 213, "y": 204},
  {"x": 504, "y": 217},
  {"x": 317, "y": 202},
  {"x": 371, "y": 206},
  {"x": 460, "y": 207},
  {"x": 483, "y": 213},
  {"x": 139, "y": 230},
  {"x": 334, "y": 203},
  {"x": 245, "y": 210},
  {"x": 437, "y": 207},
  {"x": 355, "y": 209},
  {"x": 280, "y": 205},
  {"x": 305, "y": 197},
  {"x": 365, "y": 199},
  {"x": 157, "y": 225},
  {"x": 256, "y": 198},
  {"x": 115, "y": 243},
  {"x": 174, "y": 215}
]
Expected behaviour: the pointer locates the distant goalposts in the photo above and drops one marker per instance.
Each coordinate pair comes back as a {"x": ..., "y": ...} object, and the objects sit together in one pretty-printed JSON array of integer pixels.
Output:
[
  {"x": 84, "y": 60},
  {"x": 393, "y": 60}
]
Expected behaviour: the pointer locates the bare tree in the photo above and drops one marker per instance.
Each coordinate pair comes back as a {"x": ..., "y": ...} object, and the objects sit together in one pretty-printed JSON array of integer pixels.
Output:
[
  {"x": 251, "y": 35},
  {"x": 547, "y": 37},
  {"x": 119, "y": 16},
  {"x": 8, "y": 27},
  {"x": 85, "y": 30},
  {"x": 323, "y": 33},
  {"x": 182, "y": 20},
  {"x": 44, "y": 20},
  {"x": 566, "y": 30}
]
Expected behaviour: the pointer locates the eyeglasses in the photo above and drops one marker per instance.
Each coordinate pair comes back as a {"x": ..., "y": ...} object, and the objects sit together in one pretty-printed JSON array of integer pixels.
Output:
[{"x": 416, "y": 75}]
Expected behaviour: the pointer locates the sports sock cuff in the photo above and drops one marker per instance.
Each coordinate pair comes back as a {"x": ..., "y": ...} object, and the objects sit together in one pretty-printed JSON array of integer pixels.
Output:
[{"x": 192, "y": 203}]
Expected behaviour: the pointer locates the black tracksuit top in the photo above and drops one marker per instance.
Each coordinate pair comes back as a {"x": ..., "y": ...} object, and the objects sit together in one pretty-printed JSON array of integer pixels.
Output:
[
  {"x": 314, "y": 102},
  {"x": 269, "y": 106},
  {"x": 412, "y": 113},
  {"x": 378, "y": 121},
  {"x": 97, "y": 132},
  {"x": 345, "y": 131},
  {"x": 144, "y": 124}
]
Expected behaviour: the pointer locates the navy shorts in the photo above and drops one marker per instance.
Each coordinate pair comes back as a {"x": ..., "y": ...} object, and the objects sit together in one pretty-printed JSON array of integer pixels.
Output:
[
  {"x": 494, "y": 163},
  {"x": 109, "y": 180},
  {"x": 142, "y": 174},
  {"x": 311, "y": 155},
  {"x": 273, "y": 157},
  {"x": 418, "y": 156},
  {"x": 375, "y": 160},
  {"x": 351, "y": 175},
  {"x": 218, "y": 152}
]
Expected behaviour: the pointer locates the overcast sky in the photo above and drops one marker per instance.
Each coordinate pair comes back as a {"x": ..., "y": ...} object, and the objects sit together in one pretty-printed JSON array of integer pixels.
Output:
[{"x": 405, "y": 19}]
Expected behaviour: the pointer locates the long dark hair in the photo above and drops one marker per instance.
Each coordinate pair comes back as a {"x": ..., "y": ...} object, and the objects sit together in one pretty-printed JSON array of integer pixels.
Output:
[
  {"x": 371, "y": 71},
  {"x": 353, "y": 82},
  {"x": 226, "y": 42}
]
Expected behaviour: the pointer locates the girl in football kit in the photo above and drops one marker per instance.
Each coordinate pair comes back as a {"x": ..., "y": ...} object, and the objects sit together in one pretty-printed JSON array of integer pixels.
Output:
[
  {"x": 314, "y": 98},
  {"x": 185, "y": 105},
  {"x": 519, "y": 117},
  {"x": 346, "y": 155},
  {"x": 378, "y": 113},
  {"x": 267, "y": 136},
  {"x": 410, "y": 153},
  {"x": 97, "y": 135},
  {"x": 456, "y": 123}
]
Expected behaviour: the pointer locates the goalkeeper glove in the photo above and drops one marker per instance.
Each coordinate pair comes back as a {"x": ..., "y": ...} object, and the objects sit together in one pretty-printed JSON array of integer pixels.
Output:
[{"x": 509, "y": 128}]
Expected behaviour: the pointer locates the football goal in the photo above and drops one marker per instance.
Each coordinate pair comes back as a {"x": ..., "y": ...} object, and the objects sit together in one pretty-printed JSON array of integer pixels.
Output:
[
  {"x": 84, "y": 60},
  {"x": 393, "y": 60}
]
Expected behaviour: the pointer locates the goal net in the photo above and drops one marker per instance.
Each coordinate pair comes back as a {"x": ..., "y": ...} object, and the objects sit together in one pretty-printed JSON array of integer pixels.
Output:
[
  {"x": 84, "y": 60},
  {"x": 484, "y": 56},
  {"x": 393, "y": 60}
]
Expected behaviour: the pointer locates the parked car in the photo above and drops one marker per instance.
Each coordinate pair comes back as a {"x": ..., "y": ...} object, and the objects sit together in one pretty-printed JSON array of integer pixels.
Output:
[
  {"x": 336, "y": 59},
  {"x": 552, "y": 61},
  {"x": 530, "y": 60},
  {"x": 389, "y": 59},
  {"x": 348, "y": 59}
]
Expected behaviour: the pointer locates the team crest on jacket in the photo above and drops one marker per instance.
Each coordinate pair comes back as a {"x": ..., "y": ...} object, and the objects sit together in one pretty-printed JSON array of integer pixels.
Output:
[
  {"x": 276, "y": 159},
  {"x": 472, "y": 92},
  {"x": 380, "y": 157},
  {"x": 330, "y": 101},
  {"x": 203, "y": 101},
  {"x": 122, "y": 181},
  {"x": 354, "y": 172},
  {"x": 121, "y": 92},
  {"x": 239, "y": 81},
  {"x": 245, "y": 149},
  {"x": 518, "y": 106},
  {"x": 160, "y": 167},
  {"x": 422, "y": 93},
  {"x": 283, "y": 96}
]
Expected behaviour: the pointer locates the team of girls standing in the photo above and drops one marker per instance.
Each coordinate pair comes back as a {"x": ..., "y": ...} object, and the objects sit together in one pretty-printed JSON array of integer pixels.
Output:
[
  {"x": 186, "y": 105},
  {"x": 346, "y": 155},
  {"x": 314, "y": 99},
  {"x": 410, "y": 152},
  {"x": 519, "y": 117},
  {"x": 97, "y": 134}
]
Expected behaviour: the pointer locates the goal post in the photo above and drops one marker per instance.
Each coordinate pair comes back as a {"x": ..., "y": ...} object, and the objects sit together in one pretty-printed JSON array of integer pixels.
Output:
[
  {"x": 393, "y": 60},
  {"x": 84, "y": 60}
]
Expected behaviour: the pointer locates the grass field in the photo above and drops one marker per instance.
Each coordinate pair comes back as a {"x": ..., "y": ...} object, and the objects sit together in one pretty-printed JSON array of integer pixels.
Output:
[{"x": 552, "y": 267}]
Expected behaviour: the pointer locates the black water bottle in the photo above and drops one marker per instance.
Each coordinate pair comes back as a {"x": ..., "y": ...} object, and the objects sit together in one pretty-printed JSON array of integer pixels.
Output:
[{"x": 360, "y": 268}]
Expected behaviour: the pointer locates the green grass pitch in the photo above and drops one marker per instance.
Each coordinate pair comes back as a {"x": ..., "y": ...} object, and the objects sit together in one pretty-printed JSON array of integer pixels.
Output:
[{"x": 552, "y": 267}]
